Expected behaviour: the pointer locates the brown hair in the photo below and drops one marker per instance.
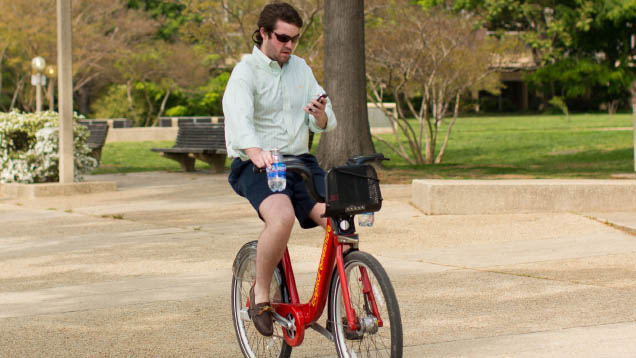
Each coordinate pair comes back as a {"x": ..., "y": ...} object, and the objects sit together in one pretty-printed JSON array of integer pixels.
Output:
[{"x": 270, "y": 15}]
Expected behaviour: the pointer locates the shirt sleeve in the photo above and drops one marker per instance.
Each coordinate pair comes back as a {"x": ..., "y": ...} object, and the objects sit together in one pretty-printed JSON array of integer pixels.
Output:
[
  {"x": 316, "y": 91},
  {"x": 238, "y": 110}
]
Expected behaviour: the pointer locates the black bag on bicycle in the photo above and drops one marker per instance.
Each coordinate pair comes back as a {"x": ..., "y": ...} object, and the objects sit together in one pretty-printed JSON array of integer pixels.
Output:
[{"x": 352, "y": 190}]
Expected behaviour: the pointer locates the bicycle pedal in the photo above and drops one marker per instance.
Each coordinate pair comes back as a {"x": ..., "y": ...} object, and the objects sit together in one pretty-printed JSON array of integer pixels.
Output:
[{"x": 245, "y": 315}]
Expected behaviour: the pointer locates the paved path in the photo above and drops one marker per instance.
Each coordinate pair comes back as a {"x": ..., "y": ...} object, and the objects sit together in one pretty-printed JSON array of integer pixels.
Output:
[{"x": 145, "y": 272}]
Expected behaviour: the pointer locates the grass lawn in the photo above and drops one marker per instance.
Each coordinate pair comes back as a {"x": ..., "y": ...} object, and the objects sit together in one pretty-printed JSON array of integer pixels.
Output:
[
  {"x": 533, "y": 146},
  {"x": 543, "y": 146}
]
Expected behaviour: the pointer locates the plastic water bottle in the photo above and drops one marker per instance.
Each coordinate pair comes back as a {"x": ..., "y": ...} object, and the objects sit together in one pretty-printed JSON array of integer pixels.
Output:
[
  {"x": 281, "y": 176},
  {"x": 365, "y": 219},
  {"x": 276, "y": 179},
  {"x": 272, "y": 172},
  {"x": 271, "y": 177}
]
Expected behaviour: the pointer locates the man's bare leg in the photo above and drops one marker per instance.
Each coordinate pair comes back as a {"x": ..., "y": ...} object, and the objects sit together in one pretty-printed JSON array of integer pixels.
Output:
[{"x": 278, "y": 213}]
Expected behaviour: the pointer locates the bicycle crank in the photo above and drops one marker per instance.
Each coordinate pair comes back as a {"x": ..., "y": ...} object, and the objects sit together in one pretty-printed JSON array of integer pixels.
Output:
[{"x": 284, "y": 322}]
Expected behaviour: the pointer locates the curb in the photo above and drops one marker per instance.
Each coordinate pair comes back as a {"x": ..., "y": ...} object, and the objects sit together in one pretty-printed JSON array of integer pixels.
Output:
[{"x": 452, "y": 197}]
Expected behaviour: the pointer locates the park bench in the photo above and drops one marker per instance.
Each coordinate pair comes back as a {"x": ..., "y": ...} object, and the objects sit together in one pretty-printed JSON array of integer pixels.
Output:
[
  {"x": 203, "y": 141},
  {"x": 98, "y": 131}
]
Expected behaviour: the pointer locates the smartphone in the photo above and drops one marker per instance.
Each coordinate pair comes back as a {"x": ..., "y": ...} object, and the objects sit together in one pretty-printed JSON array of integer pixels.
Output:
[{"x": 319, "y": 99}]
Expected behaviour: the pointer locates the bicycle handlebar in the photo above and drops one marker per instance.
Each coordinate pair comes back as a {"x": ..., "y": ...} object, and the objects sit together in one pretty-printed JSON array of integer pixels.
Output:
[
  {"x": 297, "y": 166},
  {"x": 361, "y": 159}
]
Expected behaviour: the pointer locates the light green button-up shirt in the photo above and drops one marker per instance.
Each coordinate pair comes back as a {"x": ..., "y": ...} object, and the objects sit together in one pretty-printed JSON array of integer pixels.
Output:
[{"x": 263, "y": 105}]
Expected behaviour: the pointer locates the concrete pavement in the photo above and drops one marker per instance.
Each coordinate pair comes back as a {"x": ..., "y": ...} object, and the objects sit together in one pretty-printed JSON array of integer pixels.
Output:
[{"x": 145, "y": 272}]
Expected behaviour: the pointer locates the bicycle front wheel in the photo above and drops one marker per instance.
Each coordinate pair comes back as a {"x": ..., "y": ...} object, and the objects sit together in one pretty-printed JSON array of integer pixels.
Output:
[
  {"x": 371, "y": 339},
  {"x": 252, "y": 343}
]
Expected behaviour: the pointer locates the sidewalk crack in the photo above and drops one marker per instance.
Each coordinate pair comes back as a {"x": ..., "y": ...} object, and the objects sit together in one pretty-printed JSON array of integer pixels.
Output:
[{"x": 625, "y": 229}]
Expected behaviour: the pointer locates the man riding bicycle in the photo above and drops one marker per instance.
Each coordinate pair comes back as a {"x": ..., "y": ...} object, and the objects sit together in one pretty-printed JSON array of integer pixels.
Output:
[{"x": 271, "y": 100}]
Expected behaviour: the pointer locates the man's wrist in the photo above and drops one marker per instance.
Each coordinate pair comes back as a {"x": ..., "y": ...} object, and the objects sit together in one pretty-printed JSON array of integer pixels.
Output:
[{"x": 321, "y": 122}]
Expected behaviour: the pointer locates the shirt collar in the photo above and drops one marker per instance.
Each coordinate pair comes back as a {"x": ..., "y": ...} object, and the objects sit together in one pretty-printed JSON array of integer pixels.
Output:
[{"x": 264, "y": 60}]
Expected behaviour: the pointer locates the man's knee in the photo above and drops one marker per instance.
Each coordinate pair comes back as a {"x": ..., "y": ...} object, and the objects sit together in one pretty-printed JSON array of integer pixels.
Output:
[
  {"x": 277, "y": 211},
  {"x": 283, "y": 219}
]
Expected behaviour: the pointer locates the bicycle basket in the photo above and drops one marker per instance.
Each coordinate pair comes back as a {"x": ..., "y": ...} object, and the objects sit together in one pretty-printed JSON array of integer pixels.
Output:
[{"x": 352, "y": 190}]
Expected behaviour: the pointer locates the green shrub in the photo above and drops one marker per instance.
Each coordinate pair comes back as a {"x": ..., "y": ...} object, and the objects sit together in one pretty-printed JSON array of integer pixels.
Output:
[
  {"x": 177, "y": 111},
  {"x": 29, "y": 148}
]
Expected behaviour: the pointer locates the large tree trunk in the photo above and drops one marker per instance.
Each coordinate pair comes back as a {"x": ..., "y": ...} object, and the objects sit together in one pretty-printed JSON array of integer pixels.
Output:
[{"x": 345, "y": 83}]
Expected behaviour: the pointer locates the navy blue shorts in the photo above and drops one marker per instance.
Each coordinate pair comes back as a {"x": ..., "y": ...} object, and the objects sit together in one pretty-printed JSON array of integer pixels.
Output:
[{"x": 254, "y": 187}]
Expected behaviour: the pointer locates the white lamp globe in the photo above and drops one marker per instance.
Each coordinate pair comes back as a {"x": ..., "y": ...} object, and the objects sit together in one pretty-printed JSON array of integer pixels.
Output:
[{"x": 38, "y": 64}]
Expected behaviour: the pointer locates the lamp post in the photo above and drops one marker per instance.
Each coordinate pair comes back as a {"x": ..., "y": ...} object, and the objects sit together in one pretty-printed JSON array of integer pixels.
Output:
[
  {"x": 51, "y": 72},
  {"x": 65, "y": 89},
  {"x": 38, "y": 80}
]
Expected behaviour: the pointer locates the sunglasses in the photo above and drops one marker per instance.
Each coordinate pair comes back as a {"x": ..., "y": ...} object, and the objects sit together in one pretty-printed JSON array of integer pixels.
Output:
[{"x": 286, "y": 38}]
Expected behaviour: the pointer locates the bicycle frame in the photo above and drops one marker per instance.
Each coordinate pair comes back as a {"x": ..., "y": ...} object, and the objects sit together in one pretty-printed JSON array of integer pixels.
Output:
[{"x": 304, "y": 315}]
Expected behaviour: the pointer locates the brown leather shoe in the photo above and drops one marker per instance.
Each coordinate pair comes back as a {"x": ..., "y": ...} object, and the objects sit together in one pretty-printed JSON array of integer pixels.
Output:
[{"x": 261, "y": 315}]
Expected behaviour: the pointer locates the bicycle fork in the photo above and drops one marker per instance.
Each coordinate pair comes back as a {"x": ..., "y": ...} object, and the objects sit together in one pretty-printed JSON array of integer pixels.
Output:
[
  {"x": 367, "y": 290},
  {"x": 351, "y": 313}
]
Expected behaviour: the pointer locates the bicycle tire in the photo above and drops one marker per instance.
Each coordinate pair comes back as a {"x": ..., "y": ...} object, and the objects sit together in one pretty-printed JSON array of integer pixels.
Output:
[
  {"x": 386, "y": 341},
  {"x": 252, "y": 343}
]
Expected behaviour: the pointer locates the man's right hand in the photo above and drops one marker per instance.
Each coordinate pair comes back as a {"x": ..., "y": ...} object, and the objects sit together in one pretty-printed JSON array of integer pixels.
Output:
[{"x": 260, "y": 158}]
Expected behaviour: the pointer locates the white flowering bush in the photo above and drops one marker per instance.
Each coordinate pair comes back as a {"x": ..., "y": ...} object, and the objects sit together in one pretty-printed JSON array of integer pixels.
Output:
[{"x": 29, "y": 148}]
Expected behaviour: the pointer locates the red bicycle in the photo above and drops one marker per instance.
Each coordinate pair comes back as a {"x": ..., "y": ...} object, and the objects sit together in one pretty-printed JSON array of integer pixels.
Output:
[{"x": 363, "y": 312}]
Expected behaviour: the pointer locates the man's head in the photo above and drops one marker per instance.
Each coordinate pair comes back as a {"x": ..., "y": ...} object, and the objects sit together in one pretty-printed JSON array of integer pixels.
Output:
[{"x": 278, "y": 29}]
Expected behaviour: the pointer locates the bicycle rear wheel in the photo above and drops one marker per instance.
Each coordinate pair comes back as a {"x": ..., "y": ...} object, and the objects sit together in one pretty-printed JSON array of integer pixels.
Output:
[
  {"x": 370, "y": 339},
  {"x": 252, "y": 343}
]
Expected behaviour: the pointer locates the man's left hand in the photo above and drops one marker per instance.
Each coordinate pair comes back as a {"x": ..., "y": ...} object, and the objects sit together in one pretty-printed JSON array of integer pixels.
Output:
[{"x": 317, "y": 109}]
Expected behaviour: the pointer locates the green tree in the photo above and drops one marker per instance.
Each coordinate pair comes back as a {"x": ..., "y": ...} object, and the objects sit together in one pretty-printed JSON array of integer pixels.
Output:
[
  {"x": 587, "y": 37},
  {"x": 171, "y": 14},
  {"x": 156, "y": 70},
  {"x": 579, "y": 78},
  {"x": 433, "y": 55},
  {"x": 20, "y": 41},
  {"x": 101, "y": 28}
]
